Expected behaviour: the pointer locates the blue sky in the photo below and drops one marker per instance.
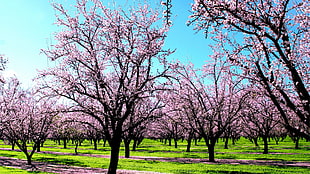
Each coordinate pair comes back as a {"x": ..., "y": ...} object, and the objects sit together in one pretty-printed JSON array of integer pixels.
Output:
[{"x": 27, "y": 26}]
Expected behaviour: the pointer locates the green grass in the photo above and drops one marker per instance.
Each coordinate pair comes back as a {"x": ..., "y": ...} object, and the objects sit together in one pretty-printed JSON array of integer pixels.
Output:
[
  {"x": 10, "y": 170},
  {"x": 156, "y": 166},
  {"x": 243, "y": 149}
]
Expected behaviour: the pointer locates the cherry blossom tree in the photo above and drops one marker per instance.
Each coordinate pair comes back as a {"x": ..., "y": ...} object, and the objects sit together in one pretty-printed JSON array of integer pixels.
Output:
[
  {"x": 26, "y": 118},
  {"x": 106, "y": 64},
  {"x": 232, "y": 132},
  {"x": 261, "y": 117},
  {"x": 93, "y": 131},
  {"x": 268, "y": 40},
  {"x": 143, "y": 113},
  {"x": 60, "y": 132},
  {"x": 209, "y": 112},
  {"x": 174, "y": 125}
]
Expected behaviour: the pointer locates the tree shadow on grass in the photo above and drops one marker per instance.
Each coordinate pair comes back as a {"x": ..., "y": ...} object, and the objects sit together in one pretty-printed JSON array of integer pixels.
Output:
[
  {"x": 8, "y": 155},
  {"x": 69, "y": 162},
  {"x": 271, "y": 159},
  {"x": 146, "y": 161},
  {"x": 188, "y": 155}
]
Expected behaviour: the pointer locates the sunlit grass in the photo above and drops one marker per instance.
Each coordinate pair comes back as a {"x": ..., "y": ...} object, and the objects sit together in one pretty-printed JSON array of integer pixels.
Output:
[
  {"x": 157, "y": 166},
  {"x": 242, "y": 150}
]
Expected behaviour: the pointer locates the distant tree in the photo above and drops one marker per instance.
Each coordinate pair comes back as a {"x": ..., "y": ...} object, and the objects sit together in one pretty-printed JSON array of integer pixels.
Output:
[
  {"x": 26, "y": 118},
  {"x": 211, "y": 99},
  {"x": 233, "y": 132},
  {"x": 143, "y": 113},
  {"x": 268, "y": 40},
  {"x": 108, "y": 61},
  {"x": 261, "y": 117},
  {"x": 174, "y": 125},
  {"x": 60, "y": 132},
  {"x": 93, "y": 131}
]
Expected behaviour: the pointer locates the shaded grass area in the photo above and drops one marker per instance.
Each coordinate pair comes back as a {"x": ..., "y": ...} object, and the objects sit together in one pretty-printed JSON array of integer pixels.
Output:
[
  {"x": 243, "y": 149},
  {"x": 10, "y": 170}
]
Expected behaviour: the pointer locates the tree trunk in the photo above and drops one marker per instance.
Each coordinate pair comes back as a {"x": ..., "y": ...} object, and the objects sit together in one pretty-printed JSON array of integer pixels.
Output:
[
  {"x": 210, "y": 144},
  {"x": 175, "y": 143},
  {"x": 226, "y": 143},
  {"x": 127, "y": 148},
  {"x": 38, "y": 147},
  {"x": 95, "y": 144},
  {"x": 297, "y": 143},
  {"x": 134, "y": 146},
  {"x": 265, "y": 139},
  {"x": 276, "y": 139},
  {"x": 115, "y": 146},
  {"x": 104, "y": 142},
  {"x": 13, "y": 145},
  {"x": 211, "y": 150},
  {"x": 65, "y": 143},
  {"x": 255, "y": 142},
  {"x": 189, "y": 142},
  {"x": 76, "y": 147},
  {"x": 234, "y": 141},
  {"x": 29, "y": 161}
]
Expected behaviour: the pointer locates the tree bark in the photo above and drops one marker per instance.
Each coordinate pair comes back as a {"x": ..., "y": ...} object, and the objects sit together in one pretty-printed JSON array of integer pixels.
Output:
[
  {"x": 189, "y": 142},
  {"x": 104, "y": 142},
  {"x": 296, "y": 143},
  {"x": 134, "y": 146},
  {"x": 76, "y": 147},
  {"x": 265, "y": 139},
  {"x": 65, "y": 143},
  {"x": 95, "y": 144},
  {"x": 115, "y": 146},
  {"x": 127, "y": 148},
  {"x": 211, "y": 144},
  {"x": 29, "y": 161},
  {"x": 211, "y": 150},
  {"x": 175, "y": 143},
  {"x": 226, "y": 143},
  {"x": 13, "y": 145},
  {"x": 39, "y": 147},
  {"x": 255, "y": 142}
]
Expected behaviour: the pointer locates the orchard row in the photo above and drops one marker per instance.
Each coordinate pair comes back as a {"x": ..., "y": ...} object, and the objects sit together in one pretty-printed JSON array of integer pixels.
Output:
[{"x": 113, "y": 80}]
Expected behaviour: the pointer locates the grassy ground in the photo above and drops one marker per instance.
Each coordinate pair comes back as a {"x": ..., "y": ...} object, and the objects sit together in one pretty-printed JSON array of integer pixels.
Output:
[
  {"x": 10, "y": 170},
  {"x": 242, "y": 150}
]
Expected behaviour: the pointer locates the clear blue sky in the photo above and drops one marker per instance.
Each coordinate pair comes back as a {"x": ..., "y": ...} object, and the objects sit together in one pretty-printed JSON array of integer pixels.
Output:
[{"x": 27, "y": 26}]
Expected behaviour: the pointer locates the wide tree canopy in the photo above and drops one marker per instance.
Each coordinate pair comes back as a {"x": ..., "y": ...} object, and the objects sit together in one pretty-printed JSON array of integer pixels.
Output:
[
  {"x": 269, "y": 42},
  {"x": 109, "y": 60}
]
